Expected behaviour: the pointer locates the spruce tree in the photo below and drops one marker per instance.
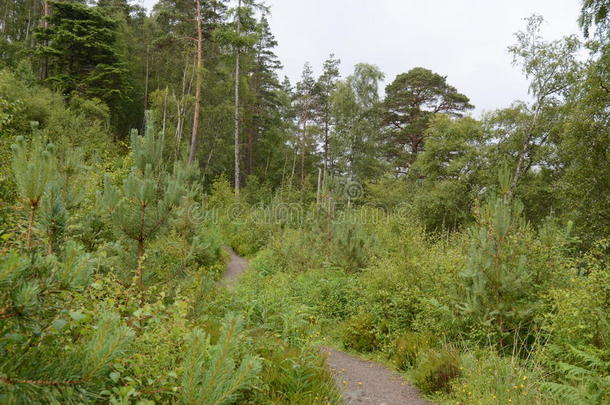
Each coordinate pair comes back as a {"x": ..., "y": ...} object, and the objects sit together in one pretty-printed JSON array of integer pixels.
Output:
[{"x": 81, "y": 46}]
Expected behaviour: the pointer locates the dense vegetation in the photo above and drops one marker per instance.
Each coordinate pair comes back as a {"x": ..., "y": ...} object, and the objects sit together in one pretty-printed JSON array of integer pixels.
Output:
[{"x": 471, "y": 254}]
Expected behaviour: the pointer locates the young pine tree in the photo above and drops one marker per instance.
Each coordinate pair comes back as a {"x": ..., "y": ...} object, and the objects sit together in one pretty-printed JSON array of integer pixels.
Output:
[
  {"x": 42, "y": 358},
  {"x": 149, "y": 195},
  {"x": 497, "y": 287},
  {"x": 34, "y": 169}
]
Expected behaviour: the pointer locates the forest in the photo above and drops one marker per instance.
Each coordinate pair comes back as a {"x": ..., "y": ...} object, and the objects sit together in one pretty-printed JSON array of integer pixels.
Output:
[{"x": 142, "y": 151}]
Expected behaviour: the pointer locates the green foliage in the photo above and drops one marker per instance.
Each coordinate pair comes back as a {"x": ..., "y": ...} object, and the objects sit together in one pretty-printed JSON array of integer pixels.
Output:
[
  {"x": 435, "y": 369},
  {"x": 33, "y": 168},
  {"x": 408, "y": 347},
  {"x": 63, "y": 356},
  {"x": 399, "y": 272},
  {"x": 295, "y": 376},
  {"x": 581, "y": 303},
  {"x": 411, "y": 101},
  {"x": 582, "y": 374},
  {"x": 594, "y": 12},
  {"x": 215, "y": 374},
  {"x": 352, "y": 244},
  {"x": 149, "y": 194},
  {"x": 53, "y": 218},
  {"x": 490, "y": 379},
  {"x": 265, "y": 263},
  {"x": 79, "y": 46},
  {"x": 359, "y": 333},
  {"x": 498, "y": 284}
]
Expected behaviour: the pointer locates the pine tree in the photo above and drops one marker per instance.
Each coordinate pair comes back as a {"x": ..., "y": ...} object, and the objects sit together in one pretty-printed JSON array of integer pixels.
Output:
[
  {"x": 325, "y": 86},
  {"x": 305, "y": 107},
  {"x": 265, "y": 135},
  {"x": 41, "y": 359},
  {"x": 215, "y": 374},
  {"x": 34, "y": 169},
  {"x": 497, "y": 282},
  {"x": 53, "y": 218},
  {"x": 149, "y": 194},
  {"x": 411, "y": 101}
]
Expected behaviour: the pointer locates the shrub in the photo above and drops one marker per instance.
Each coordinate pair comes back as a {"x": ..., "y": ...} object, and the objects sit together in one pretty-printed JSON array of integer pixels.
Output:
[
  {"x": 266, "y": 263},
  {"x": 435, "y": 369},
  {"x": 408, "y": 347},
  {"x": 294, "y": 375},
  {"x": 489, "y": 379},
  {"x": 582, "y": 307},
  {"x": 358, "y": 333},
  {"x": 300, "y": 250},
  {"x": 330, "y": 292}
]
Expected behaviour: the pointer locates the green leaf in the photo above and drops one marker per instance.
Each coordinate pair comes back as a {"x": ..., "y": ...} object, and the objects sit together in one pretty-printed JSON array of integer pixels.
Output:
[
  {"x": 77, "y": 316},
  {"x": 58, "y": 324},
  {"x": 114, "y": 376}
]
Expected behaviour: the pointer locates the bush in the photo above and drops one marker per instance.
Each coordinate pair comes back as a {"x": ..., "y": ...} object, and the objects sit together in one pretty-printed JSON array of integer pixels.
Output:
[
  {"x": 358, "y": 333},
  {"x": 489, "y": 379},
  {"x": 435, "y": 369},
  {"x": 330, "y": 292},
  {"x": 408, "y": 347},
  {"x": 294, "y": 375},
  {"x": 266, "y": 263},
  {"x": 299, "y": 250},
  {"x": 582, "y": 307}
]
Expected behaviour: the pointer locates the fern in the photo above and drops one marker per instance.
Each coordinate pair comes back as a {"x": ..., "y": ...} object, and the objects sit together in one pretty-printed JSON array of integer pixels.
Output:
[{"x": 583, "y": 376}]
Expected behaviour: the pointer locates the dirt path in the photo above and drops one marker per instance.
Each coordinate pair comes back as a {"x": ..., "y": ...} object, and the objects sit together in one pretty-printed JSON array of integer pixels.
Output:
[
  {"x": 370, "y": 383},
  {"x": 361, "y": 381},
  {"x": 236, "y": 266}
]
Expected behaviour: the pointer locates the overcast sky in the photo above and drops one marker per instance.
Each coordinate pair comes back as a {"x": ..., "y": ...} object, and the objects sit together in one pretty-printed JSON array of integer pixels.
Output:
[{"x": 465, "y": 40}]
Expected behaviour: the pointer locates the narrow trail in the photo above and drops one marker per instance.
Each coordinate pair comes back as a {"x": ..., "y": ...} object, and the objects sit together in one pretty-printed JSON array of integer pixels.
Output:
[
  {"x": 361, "y": 381},
  {"x": 236, "y": 267},
  {"x": 366, "y": 382}
]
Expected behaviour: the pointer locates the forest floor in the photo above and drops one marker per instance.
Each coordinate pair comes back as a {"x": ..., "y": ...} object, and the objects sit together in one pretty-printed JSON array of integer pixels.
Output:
[{"x": 361, "y": 381}]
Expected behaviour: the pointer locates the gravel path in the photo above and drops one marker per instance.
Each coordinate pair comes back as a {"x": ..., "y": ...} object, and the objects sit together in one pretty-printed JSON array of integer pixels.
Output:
[
  {"x": 370, "y": 383},
  {"x": 360, "y": 381},
  {"x": 236, "y": 266}
]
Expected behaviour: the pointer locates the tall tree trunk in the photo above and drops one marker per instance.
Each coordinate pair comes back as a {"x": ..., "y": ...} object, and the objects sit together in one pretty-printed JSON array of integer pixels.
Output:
[
  {"x": 251, "y": 137},
  {"x": 45, "y": 24},
  {"x": 303, "y": 153},
  {"x": 326, "y": 143},
  {"x": 237, "y": 174},
  {"x": 284, "y": 168},
  {"x": 146, "y": 79},
  {"x": 164, "y": 110},
  {"x": 198, "y": 74},
  {"x": 140, "y": 268}
]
